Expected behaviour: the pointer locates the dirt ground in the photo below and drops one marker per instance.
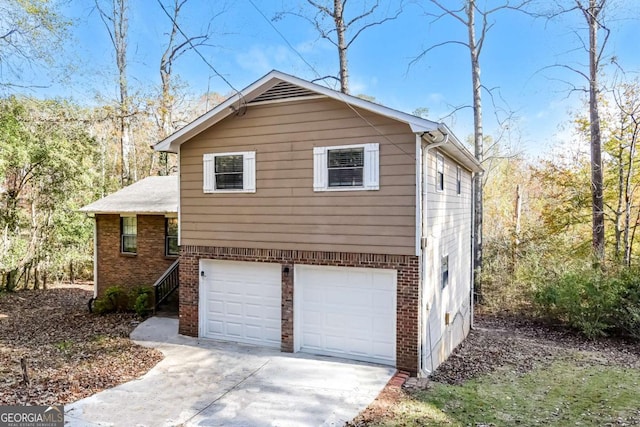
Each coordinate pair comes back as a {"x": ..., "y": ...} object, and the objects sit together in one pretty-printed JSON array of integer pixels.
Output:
[
  {"x": 68, "y": 353},
  {"x": 509, "y": 341}
]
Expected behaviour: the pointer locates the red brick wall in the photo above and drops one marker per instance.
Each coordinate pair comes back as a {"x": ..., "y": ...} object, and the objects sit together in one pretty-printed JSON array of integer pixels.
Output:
[
  {"x": 408, "y": 302},
  {"x": 130, "y": 271}
]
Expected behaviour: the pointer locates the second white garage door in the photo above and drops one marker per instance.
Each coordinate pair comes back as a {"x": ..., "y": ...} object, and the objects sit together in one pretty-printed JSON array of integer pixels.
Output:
[
  {"x": 346, "y": 312},
  {"x": 241, "y": 302}
]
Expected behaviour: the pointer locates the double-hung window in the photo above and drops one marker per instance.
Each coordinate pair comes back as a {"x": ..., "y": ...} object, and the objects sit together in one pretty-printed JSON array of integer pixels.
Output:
[
  {"x": 439, "y": 172},
  {"x": 128, "y": 235},
  {"x": 171, "y": 237},
  {"x": 230, "y": 172},
  {"x": 346, "y": 167}
]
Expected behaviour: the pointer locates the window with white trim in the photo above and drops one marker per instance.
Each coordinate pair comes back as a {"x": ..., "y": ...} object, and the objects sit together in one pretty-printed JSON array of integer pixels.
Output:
[
  {"x": 346, "y": 167},
  {"x": 229, "y": 172},
  {"x": 128, "y": 235},
  {"x": 444, "y": 271},
  {"x": 439, "y": 172},
  {"x": 458, "y": 180}
]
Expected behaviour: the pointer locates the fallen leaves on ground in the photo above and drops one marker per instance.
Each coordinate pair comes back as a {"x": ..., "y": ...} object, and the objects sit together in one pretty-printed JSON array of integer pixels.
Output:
[
  {"x": 521, "y": 344},
  {"x": 70, "y": 353},
  {"x": 508, "y": 342}
]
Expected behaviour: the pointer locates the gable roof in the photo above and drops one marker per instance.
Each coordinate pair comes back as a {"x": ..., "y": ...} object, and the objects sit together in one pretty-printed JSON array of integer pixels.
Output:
[
  {"x": 277, "y": 86},
  {"x": 153, "y": 195}
]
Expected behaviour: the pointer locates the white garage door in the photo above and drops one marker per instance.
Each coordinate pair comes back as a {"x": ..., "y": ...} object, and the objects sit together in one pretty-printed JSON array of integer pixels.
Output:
[
  {"x": 240, "y": 301},
  {"x": 346, "y": 312}
]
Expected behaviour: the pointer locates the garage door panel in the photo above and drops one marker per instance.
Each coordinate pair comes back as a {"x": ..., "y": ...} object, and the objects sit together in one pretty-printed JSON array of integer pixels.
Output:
[
  {"x": 216, "y": 307},
  {"x": 346, "y": 312},
  {"x": 215, "y": 326},
  {"x": 337, "y": 344},
  {"x": 242, "y": 302},
  {"x": 380, "y": 349},
  {"x": 359, "y": 345},
  {"x": 312, "y": 340},
  {"x": 383, "y": 326}
]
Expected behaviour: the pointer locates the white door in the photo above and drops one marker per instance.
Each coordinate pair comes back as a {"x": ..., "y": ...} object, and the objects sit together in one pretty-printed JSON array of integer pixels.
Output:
[
  {"x": 346, "y": 312},
  {"x": 240, "y": 301}
]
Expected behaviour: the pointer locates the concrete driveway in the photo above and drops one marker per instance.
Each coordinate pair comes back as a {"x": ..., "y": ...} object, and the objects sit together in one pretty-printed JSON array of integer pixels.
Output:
[{"x": 209, "y": 383}]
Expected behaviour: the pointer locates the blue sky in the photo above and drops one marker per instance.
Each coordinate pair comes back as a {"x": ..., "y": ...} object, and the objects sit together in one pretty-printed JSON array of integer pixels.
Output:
[{"x": 517, "y": 50}]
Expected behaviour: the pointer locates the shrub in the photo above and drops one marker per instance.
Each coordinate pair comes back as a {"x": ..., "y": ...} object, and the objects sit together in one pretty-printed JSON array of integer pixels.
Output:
[
  {"x": 142, "y": 298},
  {"x": 593, "y": 301},
  {"x": 627, "y": 316},
  {"x": 116, "y": 299}
]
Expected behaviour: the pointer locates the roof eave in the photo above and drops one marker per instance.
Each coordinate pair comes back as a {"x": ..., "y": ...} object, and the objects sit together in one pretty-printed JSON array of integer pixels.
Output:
[
  {"x": 123, "y": 212},
  {"x": 221, "y": 111},
  {"x": 226, "y": 108}
]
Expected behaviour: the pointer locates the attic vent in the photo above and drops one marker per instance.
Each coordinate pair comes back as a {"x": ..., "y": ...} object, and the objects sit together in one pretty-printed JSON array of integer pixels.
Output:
[{"x": 283, "y": 90}]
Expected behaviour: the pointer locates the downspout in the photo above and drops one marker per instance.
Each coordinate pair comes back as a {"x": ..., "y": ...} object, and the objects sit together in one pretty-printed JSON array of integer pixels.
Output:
[
  {"x": 424, "y": 151},
  {"x": 473, "y": 270},
  {"x": 95, "y": 257}
]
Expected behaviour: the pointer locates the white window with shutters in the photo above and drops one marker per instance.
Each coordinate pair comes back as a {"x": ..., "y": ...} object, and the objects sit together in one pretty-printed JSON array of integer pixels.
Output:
[
  {"x": 229, "y": 172},
  {"x": 346, "y": 167}
]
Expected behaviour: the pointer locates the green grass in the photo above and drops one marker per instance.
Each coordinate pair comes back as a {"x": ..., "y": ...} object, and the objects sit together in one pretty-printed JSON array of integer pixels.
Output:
[{"x": 565, "y": 393}]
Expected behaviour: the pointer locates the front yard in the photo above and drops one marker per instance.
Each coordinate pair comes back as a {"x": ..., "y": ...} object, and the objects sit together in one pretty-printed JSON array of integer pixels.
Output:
[
  {"x": 508, "y": 372},
  {"x": 513, "y": 372},
  {"x": 69, "y": 353}
]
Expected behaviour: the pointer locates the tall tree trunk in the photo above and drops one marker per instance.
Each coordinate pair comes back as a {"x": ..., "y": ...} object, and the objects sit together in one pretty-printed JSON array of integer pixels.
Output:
[
  {"x": 342, "y": 45},
  {"x": 117, "y": 24},
  {"x": 478, "y": 146},
  {"x": 618, "y": 227},
  {"x": 628, "y": 199},
  {"x": 596, "y": 149},
  {"x": 121, "y": 26}
]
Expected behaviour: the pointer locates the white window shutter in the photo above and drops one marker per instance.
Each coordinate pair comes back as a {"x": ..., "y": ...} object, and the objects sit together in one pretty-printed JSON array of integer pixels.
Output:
[
  {"x": 208, "y": 174},
  {"x": 249, "y": 171},
  {"x": 372, "y": 166},
  {"x": 320, "y": 172}
]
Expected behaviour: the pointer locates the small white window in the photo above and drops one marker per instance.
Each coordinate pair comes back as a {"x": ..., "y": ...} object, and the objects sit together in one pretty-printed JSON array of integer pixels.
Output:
[
  {"x": 458, "y": 180},
  {"x": 444, "y": 271},
  {"x": 439, "y": 172},
  {"x": 230, "y": 172},
  {"x": 346, "y": 167}
]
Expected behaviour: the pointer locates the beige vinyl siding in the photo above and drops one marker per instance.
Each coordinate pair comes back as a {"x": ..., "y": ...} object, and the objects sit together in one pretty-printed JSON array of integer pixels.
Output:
[
  {"x": 449, "y": 222},
  {"x": 285, "y": 212}
]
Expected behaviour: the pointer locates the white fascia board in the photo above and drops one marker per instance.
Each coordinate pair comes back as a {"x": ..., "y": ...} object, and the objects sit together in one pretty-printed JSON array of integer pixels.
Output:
[
  {"x": 213, "y": 116},
  {"x": 265, "y": 83},
  {"x": 132, "y": 213}
]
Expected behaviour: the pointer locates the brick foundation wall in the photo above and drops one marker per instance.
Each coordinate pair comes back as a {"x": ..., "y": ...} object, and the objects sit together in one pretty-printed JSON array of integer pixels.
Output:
[
  {"x": 408, "y": 298},
  {"x": 130, "y": 271}
]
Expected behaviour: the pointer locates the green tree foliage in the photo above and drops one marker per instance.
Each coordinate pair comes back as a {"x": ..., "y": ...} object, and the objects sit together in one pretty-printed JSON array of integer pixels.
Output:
[{"x": 46, "y": 174}]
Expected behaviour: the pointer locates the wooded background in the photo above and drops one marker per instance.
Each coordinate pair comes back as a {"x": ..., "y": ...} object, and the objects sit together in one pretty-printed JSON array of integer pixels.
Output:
[{"x": 575, "y": 209}]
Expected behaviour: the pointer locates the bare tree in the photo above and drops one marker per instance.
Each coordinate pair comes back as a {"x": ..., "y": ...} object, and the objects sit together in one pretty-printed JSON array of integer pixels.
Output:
[
  {"x": 477, "y": 31},
  {"x": 178, "y": 44},
  {"x": 342, "y": 31},
  {"x": 32, "y": 34},
  {"x": 116, "y": 21},
  {"x": 593, "y": 12}
]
